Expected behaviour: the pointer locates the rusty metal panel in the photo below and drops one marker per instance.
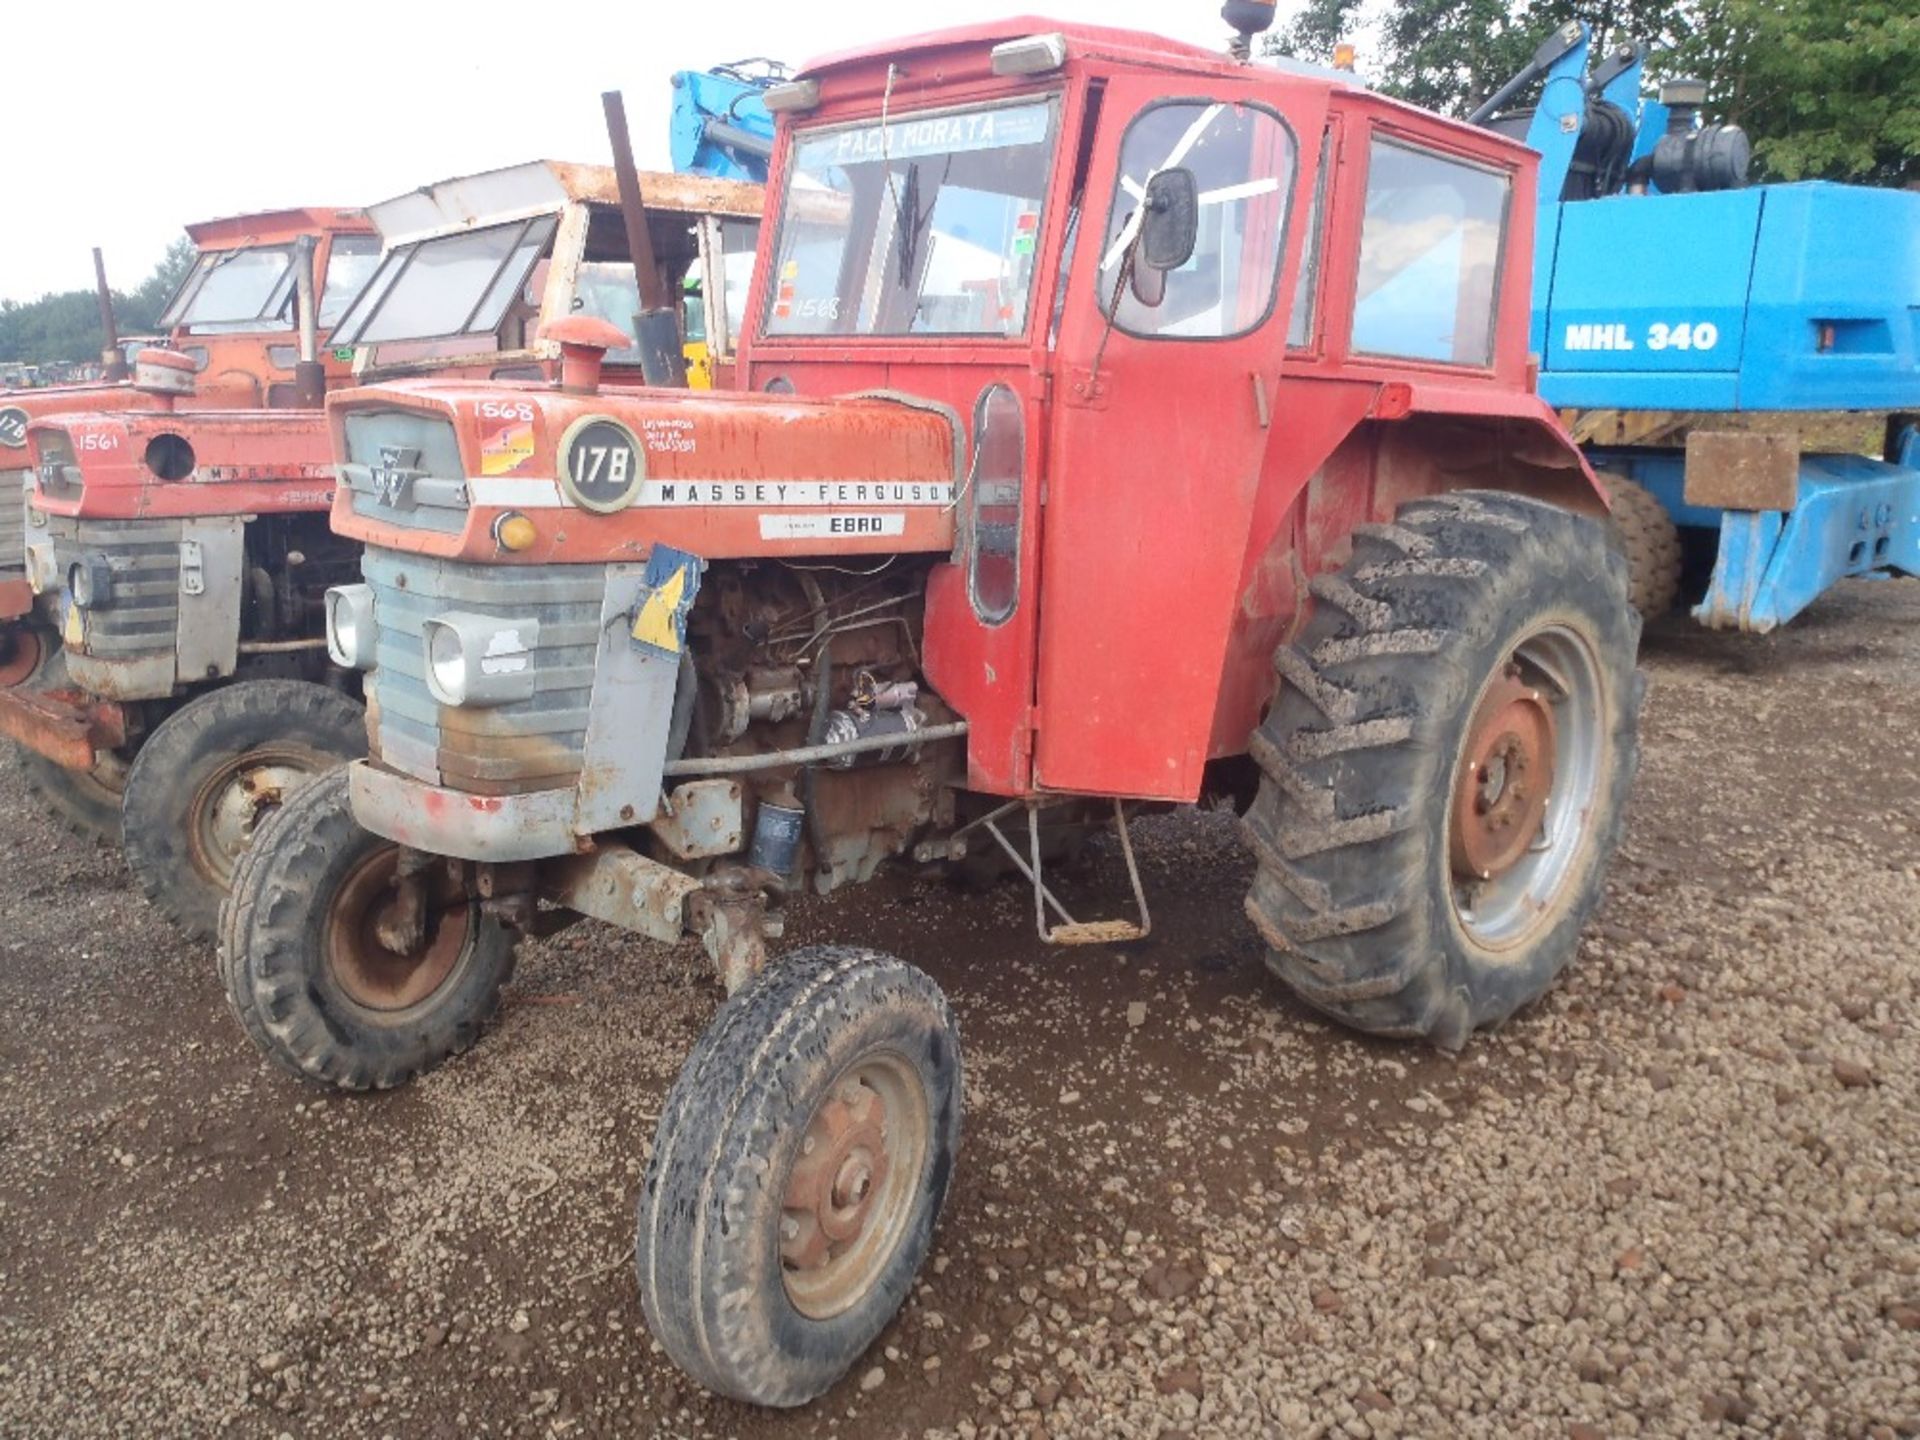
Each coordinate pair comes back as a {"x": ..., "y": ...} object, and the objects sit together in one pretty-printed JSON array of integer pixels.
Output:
[
  {"x": 629, "y": 714},
  {"x": 623, "y": 888},
  {"x": 702, "y": 819},
  {"x": 1729, "y": 470}
]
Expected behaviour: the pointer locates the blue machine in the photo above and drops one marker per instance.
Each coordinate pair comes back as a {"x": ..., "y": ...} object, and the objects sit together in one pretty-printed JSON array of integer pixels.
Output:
[
  {"x": 1669, "y": 294},
  {"x": 720, "y": 122}
]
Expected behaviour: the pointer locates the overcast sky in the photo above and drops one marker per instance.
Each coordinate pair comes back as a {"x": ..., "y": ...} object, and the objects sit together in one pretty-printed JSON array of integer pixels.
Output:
[{"x": 126, "y": 120}]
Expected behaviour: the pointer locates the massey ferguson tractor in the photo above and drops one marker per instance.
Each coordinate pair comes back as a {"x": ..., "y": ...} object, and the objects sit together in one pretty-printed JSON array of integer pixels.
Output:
[
  {"x": 1085, "y": 464},
  {"x": 180, "y": 556},
  {"x": 234, "y": 319}
]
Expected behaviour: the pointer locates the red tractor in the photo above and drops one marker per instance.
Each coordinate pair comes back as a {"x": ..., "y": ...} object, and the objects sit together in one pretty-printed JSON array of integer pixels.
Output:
[
  {"x": 1094, "y": 379},
  {"x": 235, "y": 319},
  {"x": 182, "y": 553}
]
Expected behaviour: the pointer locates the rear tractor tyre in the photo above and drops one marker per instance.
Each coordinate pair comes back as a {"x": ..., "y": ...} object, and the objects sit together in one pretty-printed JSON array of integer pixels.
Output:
[
  {"x": 799, "y": 1166},
  {"x": 343, "y": 971},
  {"x": 87, "y": 802},
  {"x": 212, "y": 772},
  {"x": 1650, "y": 540},
  {"x": 1446, "y": 766}
]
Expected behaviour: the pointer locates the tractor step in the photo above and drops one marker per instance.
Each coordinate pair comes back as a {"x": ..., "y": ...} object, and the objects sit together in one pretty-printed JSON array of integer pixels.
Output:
[{"x": 1070, "y": 931}]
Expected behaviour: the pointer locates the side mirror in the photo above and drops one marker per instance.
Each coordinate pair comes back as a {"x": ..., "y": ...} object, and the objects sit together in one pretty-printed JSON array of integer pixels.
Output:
[
  {"x": 1171, "y": 227},
  {"x": 1169, "y": 232}
]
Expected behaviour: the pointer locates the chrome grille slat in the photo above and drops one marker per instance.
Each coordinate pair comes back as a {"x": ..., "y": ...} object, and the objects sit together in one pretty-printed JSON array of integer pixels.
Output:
[
  {"x": 144, "y": 556},
  {"x": 13, "y": 523},
  {"x": 533, "y": 744}
]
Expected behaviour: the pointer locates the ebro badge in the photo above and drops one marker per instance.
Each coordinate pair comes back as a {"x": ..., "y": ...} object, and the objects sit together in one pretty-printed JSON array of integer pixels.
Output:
[{"x": 601, "y": 465}]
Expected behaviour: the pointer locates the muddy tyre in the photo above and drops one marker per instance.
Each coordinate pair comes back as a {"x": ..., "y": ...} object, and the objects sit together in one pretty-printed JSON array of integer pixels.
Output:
[
  {"x": 799, "y": 1166},
  {"x": 306, "y": 969},
  {"x": 1650, "y": 540},
  {"x": 1446, "y": 766},
  {"x": 212, "y": 772},
  {"x": 87, "y": 802}
]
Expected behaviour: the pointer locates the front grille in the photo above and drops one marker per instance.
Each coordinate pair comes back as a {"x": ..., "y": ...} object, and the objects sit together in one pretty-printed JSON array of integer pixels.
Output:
[
  {"x": 404, "y": 469},
  {"x": 533, "y": 744},
  {"x": 13, "y": 522},
  {"x": 143, "y": 616}
]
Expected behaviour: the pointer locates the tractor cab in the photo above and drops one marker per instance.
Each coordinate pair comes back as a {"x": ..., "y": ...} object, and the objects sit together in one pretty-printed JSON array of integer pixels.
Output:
[{"x": 475, "y": 267}]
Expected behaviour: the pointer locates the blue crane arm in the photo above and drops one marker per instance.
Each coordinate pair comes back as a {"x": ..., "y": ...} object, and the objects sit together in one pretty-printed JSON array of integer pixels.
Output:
[{"x": 721, "y": 126}]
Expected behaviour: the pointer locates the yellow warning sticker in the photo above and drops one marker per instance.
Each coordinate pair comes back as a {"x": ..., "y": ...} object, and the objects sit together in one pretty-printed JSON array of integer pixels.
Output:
[{"x": 659, "y": 621}]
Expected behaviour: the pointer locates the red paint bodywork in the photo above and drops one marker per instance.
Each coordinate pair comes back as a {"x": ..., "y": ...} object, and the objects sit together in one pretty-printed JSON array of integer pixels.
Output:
[{"x": 1173, "y": 511}]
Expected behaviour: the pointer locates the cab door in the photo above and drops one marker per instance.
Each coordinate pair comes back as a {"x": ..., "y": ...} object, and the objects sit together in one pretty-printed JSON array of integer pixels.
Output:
[{"x": 1162, "y": 418}]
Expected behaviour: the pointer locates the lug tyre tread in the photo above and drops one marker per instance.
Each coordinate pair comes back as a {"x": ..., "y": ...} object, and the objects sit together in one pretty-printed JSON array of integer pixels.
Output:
[
  {"x": 1651, "y": 542},
  {"x": 1357, "y": 757}
]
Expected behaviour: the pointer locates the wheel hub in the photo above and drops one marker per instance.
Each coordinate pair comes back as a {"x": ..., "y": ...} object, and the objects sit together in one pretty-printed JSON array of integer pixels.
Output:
[
  {"x": 238, "y": 802},
  {"x": 1504, "y": 780},
  {"x": 852, "y": 1187},
  {"x": 829, "y": 1196},
  {"x": 360, "y": 925}
]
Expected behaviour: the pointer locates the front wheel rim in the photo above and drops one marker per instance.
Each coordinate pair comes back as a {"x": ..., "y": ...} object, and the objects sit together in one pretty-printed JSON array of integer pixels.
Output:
[
  {"x": 854, "y": 1186},
  {"x": 1526, "y": 784},
  {"x": 381, "y": 981},
  {"x": 233, "y": 802}
]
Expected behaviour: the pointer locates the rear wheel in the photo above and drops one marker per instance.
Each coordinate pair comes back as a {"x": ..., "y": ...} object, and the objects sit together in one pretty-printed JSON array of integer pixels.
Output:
[
  {"x": 86, "y": 801},
  {"x": 1446, "y": 766},
  {"x": 344, "y": 967},
  {"x": 798, "y": 1169},
  {"x": 1651, "y": 542},
  {"x": 212, "y": 772}
]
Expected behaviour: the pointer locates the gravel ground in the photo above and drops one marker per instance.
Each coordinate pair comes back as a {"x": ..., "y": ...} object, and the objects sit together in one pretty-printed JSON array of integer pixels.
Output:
[{"x": 1675, "y": 1198}]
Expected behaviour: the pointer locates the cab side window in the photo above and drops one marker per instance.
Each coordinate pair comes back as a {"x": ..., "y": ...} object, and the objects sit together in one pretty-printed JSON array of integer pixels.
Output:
[
  {"x": 1429, "y": 256},
  {"x": 1243, "y": 160}
]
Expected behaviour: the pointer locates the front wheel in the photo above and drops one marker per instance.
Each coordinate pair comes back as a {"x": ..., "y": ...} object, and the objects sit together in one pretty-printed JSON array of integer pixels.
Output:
[
  {"x": 1446, "y": 767},
  {"x": 798, "y": 1169},
  {"x": 211, "y": 774},
  {"x": 345, "y": 967}
]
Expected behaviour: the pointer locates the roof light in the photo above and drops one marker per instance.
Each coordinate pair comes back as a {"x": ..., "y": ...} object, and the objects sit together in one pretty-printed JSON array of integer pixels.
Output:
[
  {"x": 1035, "y": 55},
  {"x": 793, "y": 97}
]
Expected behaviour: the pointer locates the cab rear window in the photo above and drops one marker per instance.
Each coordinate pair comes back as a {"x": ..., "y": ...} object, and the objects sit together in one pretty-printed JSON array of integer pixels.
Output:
[{"x": 1430, "y": 251}]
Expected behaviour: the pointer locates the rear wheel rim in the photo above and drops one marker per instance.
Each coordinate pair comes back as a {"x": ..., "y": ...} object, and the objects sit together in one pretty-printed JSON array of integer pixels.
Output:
[
  {"x": 1521, "y": 806},
  {"x": 854, "y": 1187},
  {"x": 366, "y": 972}
]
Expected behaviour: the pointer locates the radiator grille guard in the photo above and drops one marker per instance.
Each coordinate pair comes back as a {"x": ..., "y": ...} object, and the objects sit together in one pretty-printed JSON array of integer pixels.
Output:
[
  {"x": 13, "y": 522},
  {"x": 590, "y": 740}
]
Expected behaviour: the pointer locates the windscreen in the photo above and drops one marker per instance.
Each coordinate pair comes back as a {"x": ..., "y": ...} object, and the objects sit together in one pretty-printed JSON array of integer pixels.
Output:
[
  {"x": 236, "y": 290},
  {"x": 350, "y": 261},
  {"x": 448, "y": 286},
  {"x": 928, "y": 225}
]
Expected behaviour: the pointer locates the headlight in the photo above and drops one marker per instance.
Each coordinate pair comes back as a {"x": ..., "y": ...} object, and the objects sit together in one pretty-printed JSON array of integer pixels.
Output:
[
  {"x": 350, "y": 629},
  {"x": 90, "y": 582},
  {"x": 480, "y": 660}
]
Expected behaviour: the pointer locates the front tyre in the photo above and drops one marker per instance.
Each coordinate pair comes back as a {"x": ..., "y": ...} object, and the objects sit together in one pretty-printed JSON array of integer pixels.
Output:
[
  {"x": 1446, "y": 766},
  {"x": 1650, "y": 540},
  {"x": 212, "y": 772},
  {"x": 344, "y": 967},
  {"x": 798, "y": 1169}
]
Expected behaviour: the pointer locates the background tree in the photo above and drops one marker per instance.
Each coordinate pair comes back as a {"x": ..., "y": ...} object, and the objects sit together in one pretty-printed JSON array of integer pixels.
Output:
[
  {"x": 1826, "y": 90},
  {"x": 64, "y": 327}
]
